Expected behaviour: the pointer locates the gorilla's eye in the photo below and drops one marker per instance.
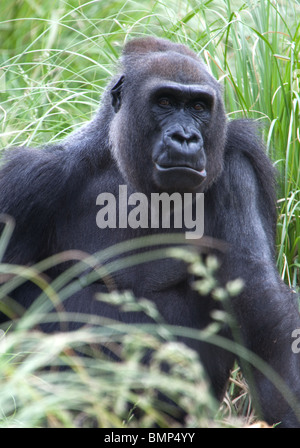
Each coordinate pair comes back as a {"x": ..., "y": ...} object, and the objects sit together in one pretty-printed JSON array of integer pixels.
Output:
[
  {"x": 198, "y": 107},
  {"x": 164, "y": 102}
]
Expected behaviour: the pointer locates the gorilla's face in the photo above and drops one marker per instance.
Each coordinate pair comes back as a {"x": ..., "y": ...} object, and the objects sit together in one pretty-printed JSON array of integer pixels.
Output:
[
  {"x": 181, "y": 113},
  {"x": 169, "y": 127}
]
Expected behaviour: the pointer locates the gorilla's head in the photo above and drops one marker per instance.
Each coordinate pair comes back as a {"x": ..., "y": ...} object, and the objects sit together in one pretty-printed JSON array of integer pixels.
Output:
[{"x": 168, "y": 127}]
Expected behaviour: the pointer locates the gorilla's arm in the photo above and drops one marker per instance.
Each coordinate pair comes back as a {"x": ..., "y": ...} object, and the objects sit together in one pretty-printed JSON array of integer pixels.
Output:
[
  {"x": 34, "y": 185},
  {"x": 266, "y": 311}
]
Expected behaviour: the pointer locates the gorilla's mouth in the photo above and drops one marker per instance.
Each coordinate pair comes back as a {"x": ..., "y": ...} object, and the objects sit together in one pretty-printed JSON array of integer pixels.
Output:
[
  {"x": 181, "y": 169},
  {"x": 178, "y": 177}
]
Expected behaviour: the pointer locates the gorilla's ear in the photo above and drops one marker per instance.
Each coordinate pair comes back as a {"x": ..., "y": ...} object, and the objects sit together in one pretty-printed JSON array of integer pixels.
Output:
[{"x": 116, "y": 94}]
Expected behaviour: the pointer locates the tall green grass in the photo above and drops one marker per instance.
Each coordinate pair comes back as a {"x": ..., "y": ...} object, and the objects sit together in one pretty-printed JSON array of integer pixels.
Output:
[
  {"x": 55, "y": 60},
  {"x": 57, "y": 56}
]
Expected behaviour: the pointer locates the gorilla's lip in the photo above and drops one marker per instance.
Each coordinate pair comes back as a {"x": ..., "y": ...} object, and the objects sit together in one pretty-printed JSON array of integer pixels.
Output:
[{"x": 180, "y": 169}]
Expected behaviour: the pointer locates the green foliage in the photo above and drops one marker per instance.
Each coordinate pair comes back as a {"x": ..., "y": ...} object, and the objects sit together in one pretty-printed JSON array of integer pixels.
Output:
[{"x": 55, "y": 59}]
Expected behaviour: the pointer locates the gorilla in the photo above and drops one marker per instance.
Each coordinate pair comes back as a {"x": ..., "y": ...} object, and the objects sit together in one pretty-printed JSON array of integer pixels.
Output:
[{"x": 161, "y": 129}]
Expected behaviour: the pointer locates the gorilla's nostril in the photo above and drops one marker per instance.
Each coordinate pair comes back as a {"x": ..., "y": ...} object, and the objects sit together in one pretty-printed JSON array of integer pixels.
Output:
[
  {"x": 194, "y": 139},
  {"x": 182, "y": 137},
  {"x": 177, "y": 137}
]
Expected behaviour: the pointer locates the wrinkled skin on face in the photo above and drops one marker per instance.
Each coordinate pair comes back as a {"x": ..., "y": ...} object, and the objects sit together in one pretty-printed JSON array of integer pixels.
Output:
[{"x": 179, "y": 121}]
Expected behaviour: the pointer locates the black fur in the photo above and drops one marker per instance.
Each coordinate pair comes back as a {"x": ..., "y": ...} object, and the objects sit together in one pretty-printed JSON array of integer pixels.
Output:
[{"x": 51, "y": 193}]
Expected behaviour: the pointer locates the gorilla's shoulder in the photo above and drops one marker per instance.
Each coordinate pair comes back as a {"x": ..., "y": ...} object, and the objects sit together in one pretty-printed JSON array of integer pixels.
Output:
[
  {"x": 244, "y": 144},
  {"x": 243, "y": 135},
  {"x": 25, "y": 154},
  {"x": 246, "y": 162}
]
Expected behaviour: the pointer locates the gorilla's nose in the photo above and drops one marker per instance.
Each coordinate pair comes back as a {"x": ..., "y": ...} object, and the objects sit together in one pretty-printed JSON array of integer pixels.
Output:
[
  {"x": 188, "y": 136},
  {"x": 184, "y": 140},
  {"x": 183, "y": 147}
]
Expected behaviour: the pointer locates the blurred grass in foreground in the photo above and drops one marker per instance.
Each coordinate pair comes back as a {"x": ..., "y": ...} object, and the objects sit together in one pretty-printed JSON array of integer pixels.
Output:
[{"x": 55, "y": 59}]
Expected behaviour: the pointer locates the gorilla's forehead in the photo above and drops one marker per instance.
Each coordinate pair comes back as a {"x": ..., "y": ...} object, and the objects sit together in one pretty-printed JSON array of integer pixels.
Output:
[
  {"x": 175, "y": 67},
  {"x": 185, "y": 89}
]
